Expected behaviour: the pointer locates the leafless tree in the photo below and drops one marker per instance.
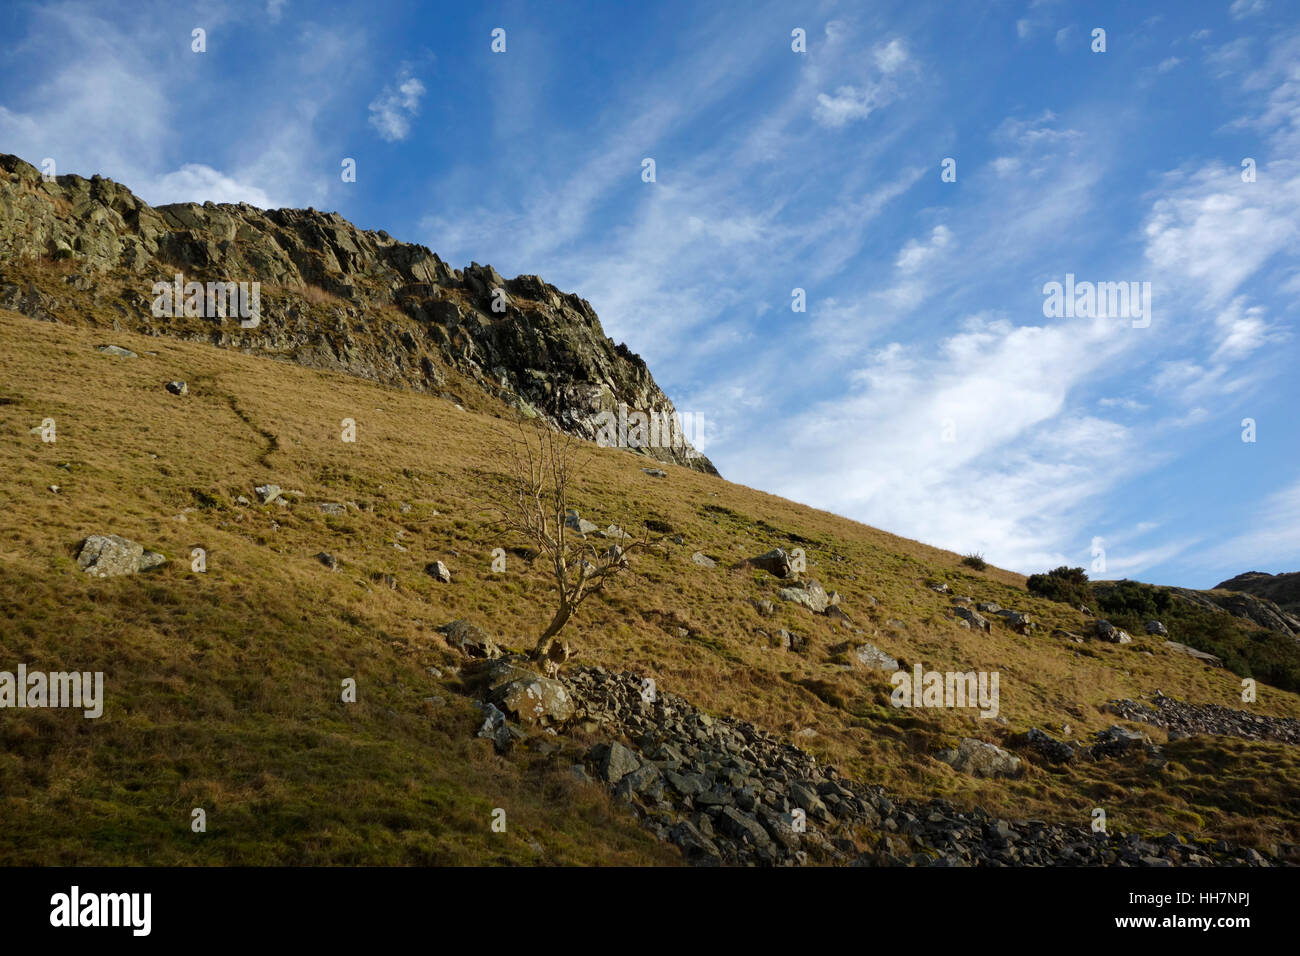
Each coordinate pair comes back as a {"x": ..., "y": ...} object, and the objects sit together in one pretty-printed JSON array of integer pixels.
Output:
[{"x": 543, "y": 464}]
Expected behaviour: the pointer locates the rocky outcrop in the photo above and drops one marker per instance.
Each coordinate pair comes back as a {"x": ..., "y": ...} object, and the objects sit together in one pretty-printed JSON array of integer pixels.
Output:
[
  {"x": 88, "y": 251},
  {"x": 1282, "y": 590}
]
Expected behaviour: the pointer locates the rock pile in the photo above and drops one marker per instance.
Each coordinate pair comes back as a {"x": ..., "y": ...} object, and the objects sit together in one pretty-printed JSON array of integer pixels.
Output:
[
  {"x": 725, "y": 792},
  {"x": 1191, "y": 719}
]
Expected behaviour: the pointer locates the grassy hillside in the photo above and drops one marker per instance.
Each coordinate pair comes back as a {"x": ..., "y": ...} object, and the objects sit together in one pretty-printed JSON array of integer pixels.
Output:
[{"x": 224, "y": 687}]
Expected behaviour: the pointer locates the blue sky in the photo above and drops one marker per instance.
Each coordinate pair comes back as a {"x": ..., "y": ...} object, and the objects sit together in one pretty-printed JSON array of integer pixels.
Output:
[{"x": 923, "y": 390}]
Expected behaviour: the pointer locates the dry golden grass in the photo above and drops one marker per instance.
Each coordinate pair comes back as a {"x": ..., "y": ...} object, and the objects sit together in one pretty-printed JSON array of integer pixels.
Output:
[{"x": 223, "y": 687}]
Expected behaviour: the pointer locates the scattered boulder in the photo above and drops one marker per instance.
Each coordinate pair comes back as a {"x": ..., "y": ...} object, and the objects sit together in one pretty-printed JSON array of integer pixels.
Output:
[
  {"x": 972, "y": 617},
  {"x": 763, "y": 606},
  {"x": 267, "y": 493},
  {"x": 980, "y": 759},
  {"x": 1156, "y": 627},
  {"x": 178, "y": 388},
  {"x": 535, "y": 700},
  {"x": 655, "y": 472},
  {"x": 988, "y": 607},
  {"x": 1109, "y": 632},
  {"x": 470, "y": 639},
  {"x": 331, "y": 508},
  {"x": 873, "y": 657},
  {"x": 775, "y": 562},
  {"x": 1016, "y": 620},
  {"x": 579, "y": 524},
  {"x": 703, "y": 560},
  {"x": 116, "y": 351},
  {"x": 328, "y": 560},
  {"x": 496, "y": 729},
  {"x": 810, "y": 594},
  {"x": 438, "y": 571},
  {"x": 110, "y": 555}
]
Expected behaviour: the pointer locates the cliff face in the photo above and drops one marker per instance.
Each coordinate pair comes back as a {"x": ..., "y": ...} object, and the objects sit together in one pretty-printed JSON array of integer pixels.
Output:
[{"x": 331, "y": 295}]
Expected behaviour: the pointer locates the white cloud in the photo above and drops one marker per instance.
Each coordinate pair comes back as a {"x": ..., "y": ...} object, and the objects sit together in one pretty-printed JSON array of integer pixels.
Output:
[
  {"x": 1243, "y": 330},
  {"x": 275, "y": 9},
  {"x": 891, "y": 57},
  {"x": 1241, "y": 9},
  {"x": 1213, "y": 231},
  {"x": 195, "y": 182},
  {"x": 392, "y": 110},
  {"x": 1168, "y": 64},
  {"x": 915, "y": 255}
]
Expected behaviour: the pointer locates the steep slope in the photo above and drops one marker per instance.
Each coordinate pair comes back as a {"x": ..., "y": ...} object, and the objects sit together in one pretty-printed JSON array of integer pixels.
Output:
[
  {"x": 333, "y": 296},
  {"x": 223, "y": 685}
]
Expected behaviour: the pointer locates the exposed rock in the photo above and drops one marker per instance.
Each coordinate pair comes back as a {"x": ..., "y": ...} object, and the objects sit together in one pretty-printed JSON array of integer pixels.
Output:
[
  {"x": 536, "y": 701},
  {"x": 116, "y": 351},
  {"x": 1190, "y": 719},
  {"x": 178, "y": 388},
  {"x": 110, "y": 555},
  {"x": 267, "y": 493},
  {"x": 709, "y": 785},
  {"x": 335, "y": 297},
  {"x": 703, "y": 560},
  {"x": 496, "y": 729},
  {"x": 655, "y": 472},
  {"x": 775, "y": 562},
  {"x": 1155, "y": 627},
  {"x": 614, "y": 761},
  {"x": 1016, "y": 620},
  {"x": 328, "y": 560},
  {"x": 810, "y": 594},
  {"x": 972, "y": 617},
  {"x": 980, "y": 759},
  {"x": 1203, "y": 656},
  {"x": 580, "y": 525},
  {"x": 1109, "y": 632},
  {"x": 438, "y": 571},
  {"x": 871, "y": 656},
  {"x": 1051, "y": 749},
  {"x": 470, "y": 639},
  {"x": 1116, "y": 741},
  {"x": 1282, "y": 590}
]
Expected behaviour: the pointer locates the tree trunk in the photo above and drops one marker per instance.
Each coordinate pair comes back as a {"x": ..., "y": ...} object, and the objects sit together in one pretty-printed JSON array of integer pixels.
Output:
[{"x": 557, "y": 623}]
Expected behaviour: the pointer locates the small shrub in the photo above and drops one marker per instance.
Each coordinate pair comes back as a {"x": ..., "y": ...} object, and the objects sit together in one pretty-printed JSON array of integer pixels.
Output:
[
  {"x": 975, "y": 561},
  {"x": 1067, "y": 585}
]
